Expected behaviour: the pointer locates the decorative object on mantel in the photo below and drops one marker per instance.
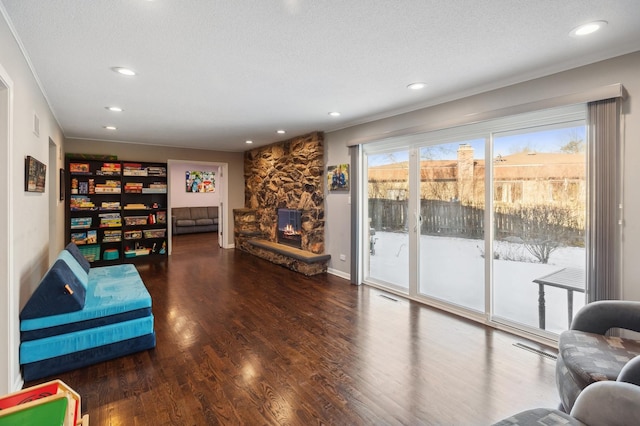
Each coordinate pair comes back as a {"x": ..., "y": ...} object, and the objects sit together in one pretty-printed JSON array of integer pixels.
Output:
[
  {"x": 35, "y": 174},
  {"x": 338, "y": 177},
  {"x": 200, "y": 181}
]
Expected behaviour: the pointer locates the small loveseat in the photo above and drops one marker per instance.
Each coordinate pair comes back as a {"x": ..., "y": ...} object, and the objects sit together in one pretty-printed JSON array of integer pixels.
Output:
[
  {"x": 79, "y": 316},
  {"x": 188, "y": 220}
]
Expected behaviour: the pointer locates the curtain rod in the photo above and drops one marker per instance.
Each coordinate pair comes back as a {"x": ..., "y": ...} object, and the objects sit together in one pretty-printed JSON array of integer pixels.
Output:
[{"x": 611, "y": 91}]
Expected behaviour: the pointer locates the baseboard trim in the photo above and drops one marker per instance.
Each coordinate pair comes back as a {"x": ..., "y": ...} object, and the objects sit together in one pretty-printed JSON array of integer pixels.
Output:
[
  {"x": 338, "y": 273},
  {"x": 18, "y": 384}
]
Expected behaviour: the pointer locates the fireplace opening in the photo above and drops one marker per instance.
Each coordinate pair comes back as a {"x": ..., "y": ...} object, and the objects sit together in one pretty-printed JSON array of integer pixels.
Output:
[{"x": 290, "y": 227}]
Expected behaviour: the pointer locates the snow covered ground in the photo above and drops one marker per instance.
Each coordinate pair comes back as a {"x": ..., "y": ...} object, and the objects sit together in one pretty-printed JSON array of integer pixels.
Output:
[{"x": 452, "y": 269}]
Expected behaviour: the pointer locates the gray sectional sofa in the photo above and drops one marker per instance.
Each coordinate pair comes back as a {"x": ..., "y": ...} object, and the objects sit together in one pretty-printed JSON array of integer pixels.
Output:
[{"x": 188, "y": 220}]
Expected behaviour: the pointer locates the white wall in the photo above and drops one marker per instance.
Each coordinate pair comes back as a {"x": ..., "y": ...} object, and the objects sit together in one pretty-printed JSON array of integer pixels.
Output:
[
  {"x": 180, "y": 197},
  {"x": 28, "y": 212},
  {"x": 337, "y": 229},
  {"x": 624, "y": 69}
]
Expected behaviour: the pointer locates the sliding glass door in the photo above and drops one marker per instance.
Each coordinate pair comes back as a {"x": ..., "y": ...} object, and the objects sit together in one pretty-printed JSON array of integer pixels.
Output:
[
  {"x": 452, "y": 216},
  {"x": 539, "y": 209},
  {"x": 387, "y": 206},
  {"x": 489, "y": 220}
]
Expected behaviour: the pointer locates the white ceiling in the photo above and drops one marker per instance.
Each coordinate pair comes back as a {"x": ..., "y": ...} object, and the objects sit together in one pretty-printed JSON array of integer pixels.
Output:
[{"x": 214, "y": 73}]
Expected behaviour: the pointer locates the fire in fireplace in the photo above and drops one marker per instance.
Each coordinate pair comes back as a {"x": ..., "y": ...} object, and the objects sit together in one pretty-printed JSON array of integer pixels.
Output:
[{"x": 289, "y": 227}]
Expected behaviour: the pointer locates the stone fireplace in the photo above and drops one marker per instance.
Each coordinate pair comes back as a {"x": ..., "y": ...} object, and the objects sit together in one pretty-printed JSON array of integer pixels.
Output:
[
  {"x": 285, "y": 176},
  {"x": 288, "y": 175}
]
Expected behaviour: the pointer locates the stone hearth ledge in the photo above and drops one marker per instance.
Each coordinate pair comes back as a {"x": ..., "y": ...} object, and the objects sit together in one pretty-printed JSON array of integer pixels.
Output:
[{"x": 304, "y": 262}]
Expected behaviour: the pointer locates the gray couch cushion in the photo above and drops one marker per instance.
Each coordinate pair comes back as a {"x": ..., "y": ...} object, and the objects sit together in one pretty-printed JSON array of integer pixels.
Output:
[
  {"x": 539, "y": 416},
  {"x": 199, "y": 213},
  {"x": 212, "y": 212},
  {"x": 185, "y": 222},
  {"x": 181, "y": 212},
  {"x": 591, "y": 357},
  {"x": 204, "y": 221}
]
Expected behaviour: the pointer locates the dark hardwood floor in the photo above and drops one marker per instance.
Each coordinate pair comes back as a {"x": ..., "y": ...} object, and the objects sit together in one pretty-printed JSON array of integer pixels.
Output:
[{"x": 243, "y": 341}]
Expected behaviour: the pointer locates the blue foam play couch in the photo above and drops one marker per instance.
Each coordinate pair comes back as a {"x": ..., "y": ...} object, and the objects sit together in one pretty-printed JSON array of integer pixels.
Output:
[{"x": 79, "y": 316}]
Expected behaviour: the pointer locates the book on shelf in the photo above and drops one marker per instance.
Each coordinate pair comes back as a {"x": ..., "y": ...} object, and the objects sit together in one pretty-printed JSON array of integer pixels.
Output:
[
  {"x": 92, "y": 236},
  {"x": 80, "y": 202},
  {"x": 155, "y": 188},
  {"x": 107, "y": 190},
  {"x": 135, "y": 206},
  {"x": 79, "y": 238},
  {"x": 109, "y": 186},
  {"x": 135, "y": 173},
  {"x": 110, "y": 167},
  {"x": 133, "y": 187},
  {"x": 82, "y": 238},
  {"x": 112, "y": 236},
  {"x": 133, "y": 169},
  {"x": 110, "y": 220},
  {"x": 110, "y": 223},
  {"x": 132, "y": 166},
  {"x": 156, "y": 171},
  {"x": 80, "y": 222},
  {"x": 110, "y": 205},
  {"x": 79, "y": 168},
  {"x": 107, "y": 173}
]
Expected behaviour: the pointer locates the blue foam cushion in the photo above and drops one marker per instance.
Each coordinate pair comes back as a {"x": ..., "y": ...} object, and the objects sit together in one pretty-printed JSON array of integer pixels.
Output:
[
  {"x": 112, "y": 290},
  {"x": 75, "y": 252},
  {"x": 53, "y": 366},
  {"x": 59, "y": 292},
  {"x": 75, "y": 267},
  {"x": 50, "y": 347}
]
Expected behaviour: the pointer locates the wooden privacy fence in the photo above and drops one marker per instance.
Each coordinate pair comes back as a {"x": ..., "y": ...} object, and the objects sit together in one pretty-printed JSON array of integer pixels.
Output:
[{"x": 457, "y": 220}]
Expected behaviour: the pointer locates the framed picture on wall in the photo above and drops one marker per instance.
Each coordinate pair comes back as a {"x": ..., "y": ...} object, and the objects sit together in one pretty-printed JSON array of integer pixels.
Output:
[
  {"x": 200, "y": 181},
  {"x": 62, "y": 184},
  {"x": 35, "y": 174},
  {"x": 338, "y": 177}
]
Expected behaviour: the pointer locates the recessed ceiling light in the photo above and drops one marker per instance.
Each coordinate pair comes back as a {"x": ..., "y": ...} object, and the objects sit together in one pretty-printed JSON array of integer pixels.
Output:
[
  {"x": 334, "y": 114},
  {"x": 114, "y": 108},
  {"x": 110, "y": 127},
  {"x": 280, "y": 132},
  {"x": 248, "y": 142},
  {"x": 589, "y": 28},
  {"x": 124, "y": 71},
  {"x": 417, "y": 86}
]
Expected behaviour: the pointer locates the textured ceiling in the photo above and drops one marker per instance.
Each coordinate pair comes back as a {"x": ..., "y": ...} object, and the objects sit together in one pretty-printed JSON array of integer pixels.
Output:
[{"x": 215, "y": 73}]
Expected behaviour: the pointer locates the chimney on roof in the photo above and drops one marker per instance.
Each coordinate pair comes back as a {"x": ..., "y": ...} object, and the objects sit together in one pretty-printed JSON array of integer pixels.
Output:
[{"x": 465, "y": 172}]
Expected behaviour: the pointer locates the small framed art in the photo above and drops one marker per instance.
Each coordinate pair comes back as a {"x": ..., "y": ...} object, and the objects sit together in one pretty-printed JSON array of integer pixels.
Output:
[
  {"x": 35, "y": 174},
  {"x": 338, "y": 177}
]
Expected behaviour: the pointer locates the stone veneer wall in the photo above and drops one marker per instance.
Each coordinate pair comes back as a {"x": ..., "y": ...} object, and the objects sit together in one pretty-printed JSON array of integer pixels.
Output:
[{"x": 288, "y": 174}]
